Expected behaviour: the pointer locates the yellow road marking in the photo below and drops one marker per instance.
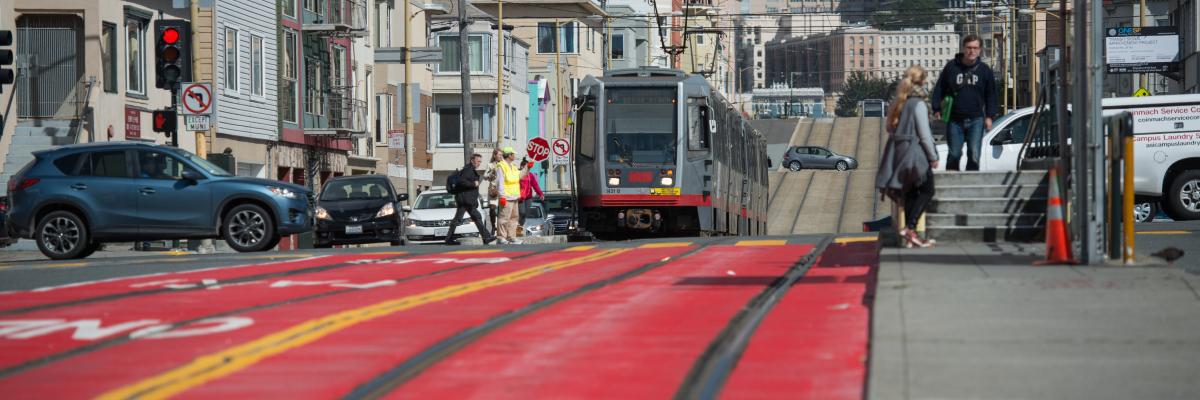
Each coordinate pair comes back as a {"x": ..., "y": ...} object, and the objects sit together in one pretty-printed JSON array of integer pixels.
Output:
[
  {"x": 214, "y": 366},
  {"x": 63, "y": 265},
  {"x": 483, "y": 251},
  {"x": 1164, "y": 233},
  {"x": 761, "y": 243},
  {"x": 855, "y": 239},
  {"x": 176, "y": 253},
  {"x": 664, "y": 245},
  {"x": 580, "y": 248}
]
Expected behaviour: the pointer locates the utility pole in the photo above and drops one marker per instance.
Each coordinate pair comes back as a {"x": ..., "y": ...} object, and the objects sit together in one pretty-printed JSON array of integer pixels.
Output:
[
  {"x": 1081, "y": 188},
  {"x": 464, "y": 70},
  {"x": 500, "y": 74},
  {"x": 408, "y": 107}
]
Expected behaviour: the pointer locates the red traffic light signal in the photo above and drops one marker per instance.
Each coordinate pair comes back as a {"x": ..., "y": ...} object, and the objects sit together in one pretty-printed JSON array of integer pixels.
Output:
[
  {"x": 169, "y": 36},
  {"x": 164, "y": 121},
  {"x": 171, "y": 53}
]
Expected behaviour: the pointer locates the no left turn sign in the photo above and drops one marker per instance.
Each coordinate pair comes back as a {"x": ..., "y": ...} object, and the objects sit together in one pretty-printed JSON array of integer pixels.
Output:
[{"x": 196, "y": 99}]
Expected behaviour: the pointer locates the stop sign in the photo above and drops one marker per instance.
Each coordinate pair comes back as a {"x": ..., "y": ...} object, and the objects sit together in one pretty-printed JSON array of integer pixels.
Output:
[{"x": 538, "y": 149}]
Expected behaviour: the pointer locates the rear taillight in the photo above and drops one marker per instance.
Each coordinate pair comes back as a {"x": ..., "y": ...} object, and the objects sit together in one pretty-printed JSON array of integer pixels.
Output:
[{"x": 25, "y": 183}]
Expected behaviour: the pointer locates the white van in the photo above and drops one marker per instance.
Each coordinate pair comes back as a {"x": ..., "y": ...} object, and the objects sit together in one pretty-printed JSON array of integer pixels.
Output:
[{"x": 1166, "y": 150}]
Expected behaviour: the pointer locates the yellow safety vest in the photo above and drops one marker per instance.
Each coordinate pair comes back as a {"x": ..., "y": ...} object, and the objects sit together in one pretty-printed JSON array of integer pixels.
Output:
[{"x": 512, "y": 180}]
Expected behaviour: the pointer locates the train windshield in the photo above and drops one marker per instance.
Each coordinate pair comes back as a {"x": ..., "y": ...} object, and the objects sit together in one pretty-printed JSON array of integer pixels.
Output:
[{"x": 640, "y": 125}]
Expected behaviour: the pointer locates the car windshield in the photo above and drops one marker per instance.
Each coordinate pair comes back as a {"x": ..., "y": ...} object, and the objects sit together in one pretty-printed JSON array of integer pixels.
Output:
[
  {"x": 210, "y": 168},
  {"x": 356, "y": 189},
  {"x": 428, "y": 201},
  {"x": 561, "y": 204},
  {"x": 534, "y": 212}
]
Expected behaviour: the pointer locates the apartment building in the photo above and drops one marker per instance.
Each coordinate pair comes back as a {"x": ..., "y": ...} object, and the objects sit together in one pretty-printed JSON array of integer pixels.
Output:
[
  {"x": 828, "y": 60},
  {"x": 448, "y": 134},
  {"x": 84, "y": 73}
]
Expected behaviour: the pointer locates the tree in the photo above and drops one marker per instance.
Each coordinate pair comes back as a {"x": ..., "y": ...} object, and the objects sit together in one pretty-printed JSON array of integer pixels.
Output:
[
  {"x": 860, "y": 87},
  {"x": 902, "y": 14}
]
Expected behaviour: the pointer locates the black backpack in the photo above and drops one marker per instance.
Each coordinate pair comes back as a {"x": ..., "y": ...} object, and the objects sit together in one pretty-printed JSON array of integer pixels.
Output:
[{"x": 452, "y": 185}]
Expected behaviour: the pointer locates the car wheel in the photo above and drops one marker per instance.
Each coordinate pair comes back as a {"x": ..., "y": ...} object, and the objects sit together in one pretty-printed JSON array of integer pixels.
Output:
[
  {"x": 248, "y": 228},
  {"x": 842, "y": 166},
  {"x": 794, "y": 165},
  {"x": 1145, "y": 211},
  {"x": 1184, "y": 198},
  {"x": 62, "y": 235}
]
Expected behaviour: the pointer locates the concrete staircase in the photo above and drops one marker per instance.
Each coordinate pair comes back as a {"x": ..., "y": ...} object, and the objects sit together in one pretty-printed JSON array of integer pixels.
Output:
[
  {"x": 31, "y": 136},
  {"x": 988, "y": 206}
]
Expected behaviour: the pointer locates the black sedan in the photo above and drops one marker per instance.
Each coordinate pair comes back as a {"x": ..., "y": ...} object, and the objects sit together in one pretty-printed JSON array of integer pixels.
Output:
[{"x": 359, "y": 209}]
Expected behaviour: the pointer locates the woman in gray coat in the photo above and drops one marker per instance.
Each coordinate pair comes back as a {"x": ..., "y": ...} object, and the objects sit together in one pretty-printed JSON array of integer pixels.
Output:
[{"x": 906, "y": 169}]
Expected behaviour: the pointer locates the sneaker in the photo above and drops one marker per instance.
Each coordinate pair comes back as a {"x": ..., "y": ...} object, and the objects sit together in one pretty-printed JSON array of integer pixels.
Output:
[
  {"x": 488, "y": 240},
  {"x": 452, "y": 242},
  {"x": 501, "y": 241},
  {"x": 516, "y": 241}
]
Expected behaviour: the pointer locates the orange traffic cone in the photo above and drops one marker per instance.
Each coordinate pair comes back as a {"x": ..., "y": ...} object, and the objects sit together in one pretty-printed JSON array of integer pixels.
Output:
[{"x": 1058, "y": 250}]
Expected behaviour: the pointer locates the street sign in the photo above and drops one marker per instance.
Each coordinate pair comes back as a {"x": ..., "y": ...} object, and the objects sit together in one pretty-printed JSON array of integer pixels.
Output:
[
  {"x": 396, "y": 140},
  {"x": 560, "y": 151},
  {"x": 197, "y": 123},
  {"x": 196, "y": 98},
  {"x": 538, "y": 149},
  {"x": 1132, "y": 50},
  {"x": 1141, "y": 92}
]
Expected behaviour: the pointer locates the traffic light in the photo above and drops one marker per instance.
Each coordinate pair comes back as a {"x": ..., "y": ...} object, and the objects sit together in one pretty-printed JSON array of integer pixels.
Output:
[
  {"x": 164, "y": 121},
  {"x": 172, "y": 53},
  {"x": 6, "y": 59}
]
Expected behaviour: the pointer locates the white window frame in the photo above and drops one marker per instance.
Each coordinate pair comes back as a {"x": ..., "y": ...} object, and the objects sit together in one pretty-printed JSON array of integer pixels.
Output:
[
  {"x": 258, "y": 71},
  {"x": 485, "y": 124},
  {"x": 294, "y": 78},
  {"x": 140, "y": 87},
  {"x": 485, "y": 42},
  {"x": 295, "y": 9},
  {"x": 231, "y": 84},
  {"x": 617, "y": 38},
  {"x": 558, "y": 31}
]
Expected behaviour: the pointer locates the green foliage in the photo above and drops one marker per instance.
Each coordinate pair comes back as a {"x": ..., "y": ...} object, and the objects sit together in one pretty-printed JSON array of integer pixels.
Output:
[
  {"x": 894, "y": 16},
  {"x": 860, "y": 87}
]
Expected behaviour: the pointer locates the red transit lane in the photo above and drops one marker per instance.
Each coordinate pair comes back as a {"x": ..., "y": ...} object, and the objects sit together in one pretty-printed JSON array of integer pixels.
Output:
[
  {"x": 814, "y": 343},
  {"x": 319, "y": 366},
  {"x": 48, "y": 332},
  {"x": 16, "y": 300},
  {"x": 634, "y": 339},
  {"x": 351, "y": 357}
]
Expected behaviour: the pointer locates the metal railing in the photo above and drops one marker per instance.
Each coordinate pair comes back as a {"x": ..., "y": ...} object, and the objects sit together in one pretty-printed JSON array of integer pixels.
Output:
[
  {"x": 344, "y": 16},
  {"x": 340, "y": 111}
]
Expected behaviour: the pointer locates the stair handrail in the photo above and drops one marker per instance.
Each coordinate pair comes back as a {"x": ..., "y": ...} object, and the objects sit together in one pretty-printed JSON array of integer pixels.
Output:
[{"x": 84, "y": 110}]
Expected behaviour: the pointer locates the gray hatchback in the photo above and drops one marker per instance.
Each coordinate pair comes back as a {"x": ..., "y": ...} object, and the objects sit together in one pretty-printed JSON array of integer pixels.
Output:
[
  {"x": 814, "y": 157},
  {"x": 71, "y": 199}
]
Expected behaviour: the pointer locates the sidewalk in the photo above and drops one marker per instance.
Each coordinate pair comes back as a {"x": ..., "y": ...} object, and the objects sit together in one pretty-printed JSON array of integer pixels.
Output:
[{"x": 978, "y": 321}]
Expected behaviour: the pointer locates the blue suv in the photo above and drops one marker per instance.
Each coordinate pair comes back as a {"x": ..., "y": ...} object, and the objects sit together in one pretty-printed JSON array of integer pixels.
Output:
[{"x": 71, "y": 199}]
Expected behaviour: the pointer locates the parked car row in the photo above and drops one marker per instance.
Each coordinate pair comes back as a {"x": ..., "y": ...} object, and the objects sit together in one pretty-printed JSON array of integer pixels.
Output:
[{"x": 72, "y": 199}]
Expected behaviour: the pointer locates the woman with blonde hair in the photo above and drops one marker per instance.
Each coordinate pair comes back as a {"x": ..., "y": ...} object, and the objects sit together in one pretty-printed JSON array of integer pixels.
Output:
[{"x": 906, "y": 168}]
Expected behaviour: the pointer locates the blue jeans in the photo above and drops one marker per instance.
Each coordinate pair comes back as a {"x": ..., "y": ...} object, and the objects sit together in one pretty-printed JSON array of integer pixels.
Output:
[{"x": 972, "y": 129}]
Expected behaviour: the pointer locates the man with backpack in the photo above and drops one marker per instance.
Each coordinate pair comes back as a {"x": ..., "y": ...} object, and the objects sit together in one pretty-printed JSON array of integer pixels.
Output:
[
  {"x": 965, "y": 99},
  {"x": 465, "y": 186}
]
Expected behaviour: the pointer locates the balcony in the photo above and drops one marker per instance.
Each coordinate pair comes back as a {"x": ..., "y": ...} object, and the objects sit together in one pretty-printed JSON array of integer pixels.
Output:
[
  {"x": 334, "y": 112},
  {"x": 336, "y": 17}
]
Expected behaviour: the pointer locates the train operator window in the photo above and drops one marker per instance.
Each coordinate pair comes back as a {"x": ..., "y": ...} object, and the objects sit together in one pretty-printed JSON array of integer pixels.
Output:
[{"x": 639, "y": 126}]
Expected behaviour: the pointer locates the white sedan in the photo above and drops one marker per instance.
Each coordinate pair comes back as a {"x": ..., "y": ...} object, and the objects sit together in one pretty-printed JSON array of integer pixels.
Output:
[{"x": 429, "y": 221}]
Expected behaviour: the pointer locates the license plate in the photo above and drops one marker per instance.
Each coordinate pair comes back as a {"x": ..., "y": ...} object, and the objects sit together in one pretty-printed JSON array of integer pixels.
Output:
[
  {"x": 664, "y": 191},
  {"x": 353, "y": 229},
  {"x": 441, "y": 231}
]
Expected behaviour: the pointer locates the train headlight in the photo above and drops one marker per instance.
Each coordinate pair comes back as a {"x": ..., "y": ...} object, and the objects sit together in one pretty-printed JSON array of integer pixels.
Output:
[
  {"x": 614, "y": 181},
  {"x": 667, "y": 181}
]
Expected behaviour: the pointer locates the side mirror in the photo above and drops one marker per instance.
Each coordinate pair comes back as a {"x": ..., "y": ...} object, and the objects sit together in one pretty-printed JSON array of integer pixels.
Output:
[
  {"x": 1004, "y": 137},
  {"x": 406, "y": 209},
  {"x": 189, "y": 175},
  {"x": 402, "y": 197}
]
